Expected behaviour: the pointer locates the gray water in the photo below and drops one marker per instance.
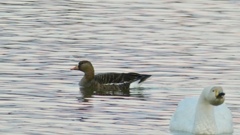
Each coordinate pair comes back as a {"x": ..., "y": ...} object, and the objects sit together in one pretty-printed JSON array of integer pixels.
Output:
[{"x": 184, "y": 45}]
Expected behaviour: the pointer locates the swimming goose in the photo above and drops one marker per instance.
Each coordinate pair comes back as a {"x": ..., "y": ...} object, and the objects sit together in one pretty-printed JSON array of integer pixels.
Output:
[
  {"x": 207, "y": 114},
  {"x": 107, "y": 81}
]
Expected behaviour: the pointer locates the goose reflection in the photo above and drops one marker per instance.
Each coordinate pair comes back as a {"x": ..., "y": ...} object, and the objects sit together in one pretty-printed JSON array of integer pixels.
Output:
[
  {"x": 114, "y": 93},
  {"x": 88, "y": 92}
]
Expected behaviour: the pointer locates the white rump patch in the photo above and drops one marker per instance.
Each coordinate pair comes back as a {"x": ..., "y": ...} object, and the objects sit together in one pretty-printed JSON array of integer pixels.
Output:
[{"x": 135, "y": 84}]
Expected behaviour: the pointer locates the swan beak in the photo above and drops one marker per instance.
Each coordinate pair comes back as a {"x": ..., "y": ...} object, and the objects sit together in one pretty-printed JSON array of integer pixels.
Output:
[
  {"x": 75, "y": 68},
  {"x": 216, "y": 93},
  {"x": 220, "y": 95}
]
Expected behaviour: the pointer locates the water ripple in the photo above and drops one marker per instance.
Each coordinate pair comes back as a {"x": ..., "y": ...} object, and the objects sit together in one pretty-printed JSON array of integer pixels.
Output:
[{"x": 185, "y": 46}]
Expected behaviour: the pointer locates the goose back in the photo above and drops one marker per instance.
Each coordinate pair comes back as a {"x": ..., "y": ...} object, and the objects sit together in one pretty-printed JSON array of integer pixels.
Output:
[{"x": 108, "y": 78}]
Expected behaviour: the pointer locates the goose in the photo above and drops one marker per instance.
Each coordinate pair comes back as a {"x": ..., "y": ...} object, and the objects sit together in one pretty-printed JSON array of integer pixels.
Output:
[
  {"x": 108, "y": 81},
  {"x": 207, "y": 114}
]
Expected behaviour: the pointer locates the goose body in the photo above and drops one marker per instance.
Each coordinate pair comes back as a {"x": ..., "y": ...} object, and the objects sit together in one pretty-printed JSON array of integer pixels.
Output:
[
  {"x": 207, "y": 114},
  {"x": 107, "y": 81}
]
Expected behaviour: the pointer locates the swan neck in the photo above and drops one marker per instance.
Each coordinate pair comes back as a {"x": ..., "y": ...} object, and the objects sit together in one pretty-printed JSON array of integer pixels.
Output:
[{"x": 204, "y": 117}]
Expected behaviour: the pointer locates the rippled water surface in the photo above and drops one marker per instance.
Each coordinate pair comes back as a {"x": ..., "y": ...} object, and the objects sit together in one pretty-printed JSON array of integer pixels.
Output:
[{"x": 184, "y": 45}]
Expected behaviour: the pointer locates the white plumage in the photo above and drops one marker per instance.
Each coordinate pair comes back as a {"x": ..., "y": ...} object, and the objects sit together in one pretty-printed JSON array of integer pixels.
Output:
[{"x": 206, "y": 114}]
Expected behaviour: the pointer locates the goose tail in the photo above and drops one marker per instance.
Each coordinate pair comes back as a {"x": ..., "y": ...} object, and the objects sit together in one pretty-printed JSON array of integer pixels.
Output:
[
  {"x": 140, "y": 79},
  {"x": 144, "y": 78}
]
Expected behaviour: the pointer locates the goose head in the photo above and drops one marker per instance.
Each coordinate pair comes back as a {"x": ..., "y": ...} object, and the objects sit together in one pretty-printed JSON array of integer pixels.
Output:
[
  {"x": 214, "y": 95},
  {"x": 84, "y": 66}
]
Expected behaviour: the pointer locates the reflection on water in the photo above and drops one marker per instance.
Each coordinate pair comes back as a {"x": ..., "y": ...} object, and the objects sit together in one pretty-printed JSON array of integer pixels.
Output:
[
  {"x": 87, "y": 92},
  {"x": 184, "y": 45}
]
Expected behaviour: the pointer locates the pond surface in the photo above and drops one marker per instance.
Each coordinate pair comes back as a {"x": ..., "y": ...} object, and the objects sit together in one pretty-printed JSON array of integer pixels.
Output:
[{"x": 184, "y": 45}]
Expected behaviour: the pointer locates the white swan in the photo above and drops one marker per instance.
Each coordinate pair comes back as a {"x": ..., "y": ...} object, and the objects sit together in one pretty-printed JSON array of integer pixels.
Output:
[{"x": 204, "y": 115}]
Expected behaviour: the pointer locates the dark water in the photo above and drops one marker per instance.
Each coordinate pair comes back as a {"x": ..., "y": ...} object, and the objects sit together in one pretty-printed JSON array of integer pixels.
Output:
[{"x": 184, "y": 45}]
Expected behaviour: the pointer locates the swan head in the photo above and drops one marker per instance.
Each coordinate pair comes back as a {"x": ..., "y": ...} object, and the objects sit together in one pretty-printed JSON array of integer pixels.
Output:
[
  {"x": 84, "y": 66},
  {"x": 214, "y": 95}
]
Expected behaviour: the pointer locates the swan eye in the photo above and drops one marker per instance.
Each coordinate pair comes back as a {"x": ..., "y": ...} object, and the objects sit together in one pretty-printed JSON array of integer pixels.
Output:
[{"x": 212, "y": 90}]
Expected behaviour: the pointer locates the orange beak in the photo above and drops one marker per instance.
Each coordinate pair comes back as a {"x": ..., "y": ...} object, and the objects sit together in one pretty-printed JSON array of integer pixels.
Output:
[{"x": 75, "y": 68}]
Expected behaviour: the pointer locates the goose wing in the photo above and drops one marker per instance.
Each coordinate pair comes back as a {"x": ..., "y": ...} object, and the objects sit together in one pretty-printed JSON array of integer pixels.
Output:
[{"x": 113, "y": 78}]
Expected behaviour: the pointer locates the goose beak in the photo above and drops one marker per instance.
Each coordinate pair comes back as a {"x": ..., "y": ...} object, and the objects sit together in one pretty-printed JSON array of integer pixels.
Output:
[
  {"x": 75, "y": 68},
  {"x": 221, "y": 95}
]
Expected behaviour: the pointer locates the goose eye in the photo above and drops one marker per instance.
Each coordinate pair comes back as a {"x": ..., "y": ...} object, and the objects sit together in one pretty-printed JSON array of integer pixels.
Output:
[{"x": 212, "y": 90}]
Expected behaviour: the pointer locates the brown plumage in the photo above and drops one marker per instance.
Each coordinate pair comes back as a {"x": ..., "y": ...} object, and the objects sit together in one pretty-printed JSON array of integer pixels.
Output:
[{"x": 107, "y": 81}]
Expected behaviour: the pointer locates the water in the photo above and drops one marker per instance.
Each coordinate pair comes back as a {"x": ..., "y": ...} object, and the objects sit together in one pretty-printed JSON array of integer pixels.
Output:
[{"x": 184, "y": 45}]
